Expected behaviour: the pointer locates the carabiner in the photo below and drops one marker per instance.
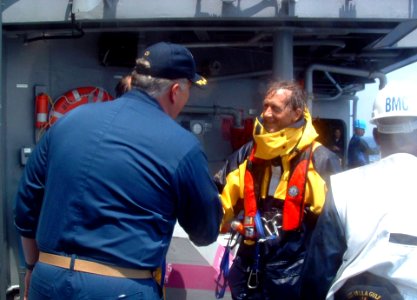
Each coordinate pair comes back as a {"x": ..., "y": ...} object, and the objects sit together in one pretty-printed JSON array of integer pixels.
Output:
[{"x": 253, "y": 280}]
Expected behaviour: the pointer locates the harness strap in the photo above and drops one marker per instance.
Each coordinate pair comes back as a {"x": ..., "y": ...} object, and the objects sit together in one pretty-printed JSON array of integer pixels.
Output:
[
  {"x": 221, "y": 285},
  {"x": 250, "y": 205},
  {"x": 223, "y": 277},
  {"x": 293, "y": 211}
]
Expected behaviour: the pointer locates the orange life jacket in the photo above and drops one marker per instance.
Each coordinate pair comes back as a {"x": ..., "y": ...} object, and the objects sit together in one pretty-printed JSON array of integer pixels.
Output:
[{"x": 293, "y": 210}]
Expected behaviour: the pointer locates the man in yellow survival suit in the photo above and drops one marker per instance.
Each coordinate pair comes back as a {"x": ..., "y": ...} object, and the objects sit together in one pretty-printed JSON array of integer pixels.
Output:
[{"x": 272, "y": 190}]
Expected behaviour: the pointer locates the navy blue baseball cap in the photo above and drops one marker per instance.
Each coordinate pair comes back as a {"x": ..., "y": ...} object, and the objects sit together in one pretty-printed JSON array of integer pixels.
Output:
[{"x": 170, "y": 61}]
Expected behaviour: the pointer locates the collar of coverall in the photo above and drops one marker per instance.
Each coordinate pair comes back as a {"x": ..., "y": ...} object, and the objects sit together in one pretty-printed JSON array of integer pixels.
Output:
[{"x": 283, "y": 142}]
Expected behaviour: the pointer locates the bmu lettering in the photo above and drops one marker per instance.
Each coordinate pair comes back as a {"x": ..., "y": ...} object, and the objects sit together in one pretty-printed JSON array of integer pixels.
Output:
[{"x": 395, "y": 104}]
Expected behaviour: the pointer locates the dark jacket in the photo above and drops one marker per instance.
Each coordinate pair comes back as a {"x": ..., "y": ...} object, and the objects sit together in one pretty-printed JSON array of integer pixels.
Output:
[{"x": 282, "y": 260}]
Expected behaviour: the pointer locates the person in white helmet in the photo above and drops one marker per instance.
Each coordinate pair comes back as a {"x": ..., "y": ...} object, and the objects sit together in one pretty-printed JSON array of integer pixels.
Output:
[{"x": 366, "y": 237}]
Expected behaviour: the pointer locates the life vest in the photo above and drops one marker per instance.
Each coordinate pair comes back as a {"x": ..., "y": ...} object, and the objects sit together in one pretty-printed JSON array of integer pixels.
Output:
[
  {"x": 76, "y": 97},
  {"x": 293, "y": 210}
]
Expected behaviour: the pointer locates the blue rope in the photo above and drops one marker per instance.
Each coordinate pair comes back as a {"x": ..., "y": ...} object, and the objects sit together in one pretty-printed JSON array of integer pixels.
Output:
[
  {"x": 258, "y": 224},
  {"x": 221, "y": 285}
]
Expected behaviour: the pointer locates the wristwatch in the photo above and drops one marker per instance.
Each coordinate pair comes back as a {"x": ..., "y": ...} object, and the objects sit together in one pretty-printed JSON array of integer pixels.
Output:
[{"x": 29, "y": 266}]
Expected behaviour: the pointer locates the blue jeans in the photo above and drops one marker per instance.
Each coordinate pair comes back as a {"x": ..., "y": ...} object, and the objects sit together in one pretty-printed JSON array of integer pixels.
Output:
[{"x": 50, "y": 282}]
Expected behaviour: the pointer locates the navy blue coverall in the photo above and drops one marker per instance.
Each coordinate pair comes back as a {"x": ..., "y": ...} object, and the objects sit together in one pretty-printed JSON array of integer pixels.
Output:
[{"x": 107, "y": 183}]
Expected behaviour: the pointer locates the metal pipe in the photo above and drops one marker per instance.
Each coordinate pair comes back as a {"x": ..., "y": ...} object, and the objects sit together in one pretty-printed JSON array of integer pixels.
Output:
[
  {"x": 338, "y": 87},
  {"x": 255, "y": 42},
  {"x": 341, "y": 70},
  {"x": 283, "y": 66},
  {"x": 242, "y": 75},
  {"x": 354, "y": 112},
  {"x": 354, "y": 107},
  {"x": 216, "y": 110}
]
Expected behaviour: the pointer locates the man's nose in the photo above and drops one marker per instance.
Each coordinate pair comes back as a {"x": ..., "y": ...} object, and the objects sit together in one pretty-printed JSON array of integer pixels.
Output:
[{"x": 267, "y": 112}]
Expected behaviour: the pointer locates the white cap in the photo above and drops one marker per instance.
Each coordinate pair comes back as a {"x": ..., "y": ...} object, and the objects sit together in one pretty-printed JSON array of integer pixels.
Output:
[{"x": 395, "y": 108}]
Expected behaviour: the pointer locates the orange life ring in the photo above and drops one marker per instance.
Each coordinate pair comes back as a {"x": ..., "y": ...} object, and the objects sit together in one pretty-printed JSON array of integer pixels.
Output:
[{"x": 74, "y": 98}]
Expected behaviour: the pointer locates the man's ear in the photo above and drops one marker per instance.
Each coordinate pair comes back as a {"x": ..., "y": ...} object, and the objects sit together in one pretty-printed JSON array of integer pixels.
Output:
[
  {"x": 375, "y": 133},
  {"x": 298, "y": 114},
  {"x": 173, "y": 92}
]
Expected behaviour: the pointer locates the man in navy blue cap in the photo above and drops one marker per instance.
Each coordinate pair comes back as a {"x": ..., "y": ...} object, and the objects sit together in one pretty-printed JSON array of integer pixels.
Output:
[
  {"x": 170, "y": 61},
  {"x": 100, "y": 195}
]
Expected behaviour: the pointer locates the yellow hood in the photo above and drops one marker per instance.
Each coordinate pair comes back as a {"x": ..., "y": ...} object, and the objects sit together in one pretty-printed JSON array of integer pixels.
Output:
[{"x": 285, "y": 141}]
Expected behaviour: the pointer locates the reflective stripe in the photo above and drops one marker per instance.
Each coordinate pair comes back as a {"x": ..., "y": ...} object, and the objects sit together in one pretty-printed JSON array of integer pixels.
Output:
[
  {"x": 57, "y": 114},
  {"x": 77, "y": 96}
]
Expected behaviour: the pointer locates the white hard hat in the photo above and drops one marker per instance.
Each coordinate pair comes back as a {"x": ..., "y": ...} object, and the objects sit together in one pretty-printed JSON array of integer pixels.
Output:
[{"x": 395, "y": 108}]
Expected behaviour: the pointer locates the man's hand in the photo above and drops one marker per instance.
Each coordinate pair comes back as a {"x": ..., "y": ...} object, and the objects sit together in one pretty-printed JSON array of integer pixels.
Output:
[{"x": 28, "y": 276}]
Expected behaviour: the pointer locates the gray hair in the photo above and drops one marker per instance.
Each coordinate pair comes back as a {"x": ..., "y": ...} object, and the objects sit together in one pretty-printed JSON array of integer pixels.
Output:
[
  {"x": 298, "y": 98},
  {"x": 153, "y": 86}
]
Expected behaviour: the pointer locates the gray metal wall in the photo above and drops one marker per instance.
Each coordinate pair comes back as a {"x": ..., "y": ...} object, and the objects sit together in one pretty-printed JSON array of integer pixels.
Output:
[{"x": 62, "y": 65}]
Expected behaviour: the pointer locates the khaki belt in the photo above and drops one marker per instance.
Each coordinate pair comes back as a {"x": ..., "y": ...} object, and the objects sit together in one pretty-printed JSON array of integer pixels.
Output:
[{"x": 81, "y": 265}]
